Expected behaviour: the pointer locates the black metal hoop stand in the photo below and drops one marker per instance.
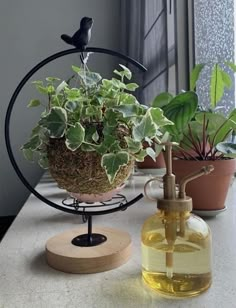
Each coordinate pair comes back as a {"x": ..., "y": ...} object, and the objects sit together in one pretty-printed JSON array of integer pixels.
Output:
[{"x": 7, "y": 134}]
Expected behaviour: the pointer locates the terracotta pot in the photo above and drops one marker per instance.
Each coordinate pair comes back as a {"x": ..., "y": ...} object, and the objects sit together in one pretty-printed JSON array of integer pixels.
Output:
[
  {"x": 149, "y": 163},
  {"x": 209, "y": 191}
]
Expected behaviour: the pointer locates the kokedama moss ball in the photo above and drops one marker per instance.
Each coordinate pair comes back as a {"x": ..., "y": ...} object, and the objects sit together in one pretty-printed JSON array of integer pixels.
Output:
[{"x": 81, "y": 172}]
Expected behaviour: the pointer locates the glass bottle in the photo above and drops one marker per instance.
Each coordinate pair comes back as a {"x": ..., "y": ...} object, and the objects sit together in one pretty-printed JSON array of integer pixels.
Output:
[
  {"x": 176, "y": 245},
  {"x": 178, "y": 266}
]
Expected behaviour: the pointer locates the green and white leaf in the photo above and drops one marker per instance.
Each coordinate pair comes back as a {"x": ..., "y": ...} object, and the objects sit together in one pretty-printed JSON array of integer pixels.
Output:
[
  {"x": 87, "y": 147},
  {"x": 61, "y": 87},
  {"x": 195, "y": 75},
  {"x": 158, "y": 117},
  {"x": 95, "y": 136},
  {"x": 146, "y": 128},
  {"x": 127, "y": 73},
  {"x": 148, "y": 140},
  {"x": 33, "y": 144},
  {"x": 131, "y": 86},
  {"x": 70, "y": 106},
  {"x": 52, "y": 79},
  {"x": 158, "y": 147},
  {"x": 90, "y": 79},
  {"x": 34, "y": 103},
  {"x": 75, "y": 136},
  {"x": 43, "y": 161},
  {"x": 28, "y": 154},
  {"x": 133, "y": 146},
  {"x": 76, "y": 69},
  {"x": 127, "y": 110},
  {"x": 35, "y": 131},
  {"x": 140, "y": 155},
  {"x": 55, "y": 122},
  {"x": 216, "y": 85},
  {"x": 150, "y": 152},
  {"x": 112, "y": 163}
]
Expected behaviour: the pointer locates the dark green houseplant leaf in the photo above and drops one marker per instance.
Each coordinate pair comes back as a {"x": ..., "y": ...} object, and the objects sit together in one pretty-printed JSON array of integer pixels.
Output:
[
  {"x": 75, "y": 137},
  {"x": 55, "y": 122},
  {"x": 112, "y": 163}
]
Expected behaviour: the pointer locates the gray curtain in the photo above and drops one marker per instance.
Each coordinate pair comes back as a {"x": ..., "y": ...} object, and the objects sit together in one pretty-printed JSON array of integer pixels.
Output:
[{"x": 144, "y": 38}]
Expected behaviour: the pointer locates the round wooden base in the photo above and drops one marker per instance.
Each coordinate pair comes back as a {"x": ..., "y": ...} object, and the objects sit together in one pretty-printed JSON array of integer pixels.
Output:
[{"x": 62, "y": 255}]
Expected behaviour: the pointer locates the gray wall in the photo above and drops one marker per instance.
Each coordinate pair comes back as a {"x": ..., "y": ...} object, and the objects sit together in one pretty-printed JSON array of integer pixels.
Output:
[{"x": 30, "y": 31}]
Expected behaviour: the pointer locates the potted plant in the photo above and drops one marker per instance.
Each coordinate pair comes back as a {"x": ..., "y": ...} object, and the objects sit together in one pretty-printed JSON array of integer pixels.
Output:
[
  {"x": 90, "y": 134},
  {"x": 205, "y": 137}
]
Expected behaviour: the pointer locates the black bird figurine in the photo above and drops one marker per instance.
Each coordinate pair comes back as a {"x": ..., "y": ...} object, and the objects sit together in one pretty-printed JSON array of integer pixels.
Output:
[{"x": 81, "y": 37}]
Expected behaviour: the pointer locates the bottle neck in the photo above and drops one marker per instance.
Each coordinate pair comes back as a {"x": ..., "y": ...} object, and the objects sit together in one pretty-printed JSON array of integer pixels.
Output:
[{"x": 174, "y": 215}]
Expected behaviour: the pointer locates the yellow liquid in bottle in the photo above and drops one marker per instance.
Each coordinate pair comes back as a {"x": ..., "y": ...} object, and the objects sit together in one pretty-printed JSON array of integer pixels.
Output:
[{"x": 191, "y": 272}]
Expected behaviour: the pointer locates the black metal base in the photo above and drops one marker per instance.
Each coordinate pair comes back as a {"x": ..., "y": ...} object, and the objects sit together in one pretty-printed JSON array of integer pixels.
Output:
[{"x": 88, "y": 240}]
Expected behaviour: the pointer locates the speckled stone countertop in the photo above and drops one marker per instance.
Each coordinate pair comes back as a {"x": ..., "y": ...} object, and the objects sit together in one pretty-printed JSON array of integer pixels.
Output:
[{"x": 27, "y": 281}]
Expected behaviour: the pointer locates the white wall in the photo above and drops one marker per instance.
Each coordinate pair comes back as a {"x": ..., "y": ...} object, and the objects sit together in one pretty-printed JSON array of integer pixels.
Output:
[{"x": 30, "y": 31}]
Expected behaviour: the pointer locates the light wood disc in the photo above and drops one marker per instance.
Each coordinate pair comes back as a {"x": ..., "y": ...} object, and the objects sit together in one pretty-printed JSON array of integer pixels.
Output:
[{"x": 62, "y": 255}]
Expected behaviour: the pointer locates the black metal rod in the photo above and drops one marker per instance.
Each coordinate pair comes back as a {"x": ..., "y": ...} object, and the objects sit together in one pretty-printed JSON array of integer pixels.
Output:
[
  {"x": 89, "y": 229},
  {"x": 12, "y": 102}
]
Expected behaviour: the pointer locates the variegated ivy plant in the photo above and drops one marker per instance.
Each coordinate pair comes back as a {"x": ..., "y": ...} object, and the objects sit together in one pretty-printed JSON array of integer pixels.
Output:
[{"x": 88, "y": 115}]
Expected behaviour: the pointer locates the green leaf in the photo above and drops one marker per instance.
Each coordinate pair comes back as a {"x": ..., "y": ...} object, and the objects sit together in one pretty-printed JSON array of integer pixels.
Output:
[
  {"x": 194, "y": 75},
  {"x": 162, "y": 100},
  {"x": 71, "y": 106},
  {"x": 37, "y": 82},
  {"x": 158, "y": 117},
  {"x": 35, "y": 131},
  {"x": 226, "y": 79},
  {"x": 115, "y": 147},
  {"x": 95, "y": 136},
  {"x": 43, "y": 161},
  {"x": 146, "y": 128},
  {"x": 126, "y": 71},
  {"x": 52, "y": 79},
  {"x": 133, "y": 146},
  {"x": 228, "y": 149},
  {"x": 34, "y": 103},
  {"x": 127, "y": 98},
  {"x": 90, "y": 79},
  {"x": 127, "y": 110},
  {"x": 87, "y": 147},
  {"x": 76, "y": 69},
  {"x": 61, "y": 87},
  {"x": 131, "y": 86},
  {"x": 218, "y": 126},
  {"x": 33, "y": 144},
  {"x": 231, "y": 65},
  {"x": 55, "y": 122},
  {"x": 118, "y": 84},
  {"x": 112, "y": 163},
  {"x": 55, "y": 102},
  {"x": 217, "y": 86},
  {"x": 73, "y": 94},
  {"x": 41, "y": 89},
  {"x": 75, "y": 136},
  {"x": 150, "y": 152},
  {"x": 118, "y": 73},
  {"x": 140, "y": 155},
  {"x": 28, "y": 154},
  {"x": 158, "y": 147},
  {"x": 148, "y": 140},
  {"x": 180, "y": 111}
]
